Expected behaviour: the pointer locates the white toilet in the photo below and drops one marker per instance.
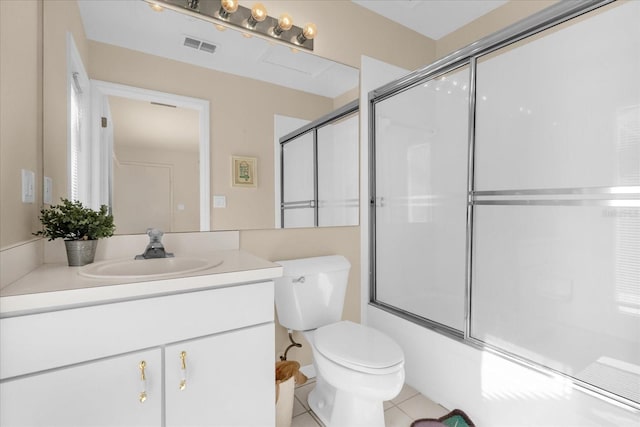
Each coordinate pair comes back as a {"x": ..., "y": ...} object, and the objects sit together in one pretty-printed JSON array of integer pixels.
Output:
[{"x": 357, "y": 367}]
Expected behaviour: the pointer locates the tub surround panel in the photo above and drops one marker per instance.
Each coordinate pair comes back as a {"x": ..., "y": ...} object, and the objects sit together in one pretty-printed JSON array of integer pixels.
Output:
[
  {"x": 18, "y": 260},
  {"x": 490, "y": 389}
]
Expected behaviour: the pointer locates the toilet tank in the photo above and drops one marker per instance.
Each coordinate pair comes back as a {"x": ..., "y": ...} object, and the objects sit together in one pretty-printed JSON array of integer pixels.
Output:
[{"x": 311, "y": 291}]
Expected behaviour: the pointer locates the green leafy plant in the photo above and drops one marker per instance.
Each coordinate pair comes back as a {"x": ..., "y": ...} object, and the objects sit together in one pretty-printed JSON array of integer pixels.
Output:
[{"x": 72, "y": 221}]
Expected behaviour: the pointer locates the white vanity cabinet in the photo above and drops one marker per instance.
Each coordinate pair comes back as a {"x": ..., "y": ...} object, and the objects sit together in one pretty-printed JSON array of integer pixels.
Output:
[
  {"x": 82, "y": 366},
  {"x": 102, "y": 393},
  {"x": 221, "y": 382}
]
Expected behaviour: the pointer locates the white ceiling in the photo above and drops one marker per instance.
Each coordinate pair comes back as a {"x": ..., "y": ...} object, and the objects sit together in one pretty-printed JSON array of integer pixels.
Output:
[{"x": 432, "y": 18}]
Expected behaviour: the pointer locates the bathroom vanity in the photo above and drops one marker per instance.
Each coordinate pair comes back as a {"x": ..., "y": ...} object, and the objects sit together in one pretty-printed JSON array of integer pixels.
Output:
[{"x": 178, "y": 351}]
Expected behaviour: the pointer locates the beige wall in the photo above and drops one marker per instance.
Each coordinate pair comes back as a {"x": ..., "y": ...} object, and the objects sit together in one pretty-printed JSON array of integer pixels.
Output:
[
  {"x": 20, "y": 117},
  {"x": 493, "y": 21},
  {"x": 346, "y": 31}
]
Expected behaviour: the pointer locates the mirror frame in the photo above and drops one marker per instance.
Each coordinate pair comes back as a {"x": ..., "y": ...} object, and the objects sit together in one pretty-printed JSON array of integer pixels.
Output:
[{"x": 101, "y": 155}]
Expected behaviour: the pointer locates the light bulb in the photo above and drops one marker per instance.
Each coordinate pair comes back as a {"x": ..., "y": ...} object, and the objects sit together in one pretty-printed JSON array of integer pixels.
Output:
[
  {"x": 258, "y": 14},
  {"x": 227, "y": 7},
  {"x": 308, "y": 33},
  {"x": 310, "y": 30},
  {"x": 156, "y": 7},
  {"x": 285, "y": 22}
]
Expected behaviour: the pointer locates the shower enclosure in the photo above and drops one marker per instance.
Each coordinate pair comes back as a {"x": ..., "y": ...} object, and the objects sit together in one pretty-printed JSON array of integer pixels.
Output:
[{"x": 505, "y": 195}]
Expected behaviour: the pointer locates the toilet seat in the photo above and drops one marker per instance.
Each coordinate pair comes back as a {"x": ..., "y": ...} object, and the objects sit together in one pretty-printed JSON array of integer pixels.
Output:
[{"x": 359, "y": 348}]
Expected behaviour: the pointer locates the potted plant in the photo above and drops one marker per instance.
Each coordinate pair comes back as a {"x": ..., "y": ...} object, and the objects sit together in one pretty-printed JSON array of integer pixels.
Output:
[{"x": 80, "y": 227}]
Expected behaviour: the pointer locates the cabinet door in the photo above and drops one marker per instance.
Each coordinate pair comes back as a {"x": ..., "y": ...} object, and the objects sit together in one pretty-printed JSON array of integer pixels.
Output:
[
  {"x": 229, "y": 379},
  {"x": 101, "y": 393}
]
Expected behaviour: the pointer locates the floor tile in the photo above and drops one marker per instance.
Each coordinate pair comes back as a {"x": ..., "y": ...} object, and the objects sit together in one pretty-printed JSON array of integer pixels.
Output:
[
  {"x": 407, "y": 407},
  {"x": 302, "y": 393},
  {"x": 387, "y": 404},
  {"x": 298, "y": 408},
  {"x": 304, "y": 420},
  {"x": 406, "y": 393},
  {"x": 394, "y": 417},
  {"x": 420, "y": 407}
]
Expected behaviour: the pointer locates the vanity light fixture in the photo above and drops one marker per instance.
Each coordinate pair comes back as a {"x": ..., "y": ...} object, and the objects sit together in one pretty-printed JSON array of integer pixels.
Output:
[{"x": 251, "y": 21}]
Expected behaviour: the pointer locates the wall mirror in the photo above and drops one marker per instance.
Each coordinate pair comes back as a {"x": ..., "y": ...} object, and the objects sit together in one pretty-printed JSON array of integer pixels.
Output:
[{"x": 248, "y": 82}]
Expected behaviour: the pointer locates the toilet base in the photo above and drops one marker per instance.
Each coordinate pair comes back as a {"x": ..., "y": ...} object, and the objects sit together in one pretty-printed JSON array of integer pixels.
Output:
[
  {"x": 320, "y": 400},
  {"x": 337, "y": 408}
]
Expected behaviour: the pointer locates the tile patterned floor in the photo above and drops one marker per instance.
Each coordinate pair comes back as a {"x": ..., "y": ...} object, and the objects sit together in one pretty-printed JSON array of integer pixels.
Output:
[{"x": 408, "y": 406}]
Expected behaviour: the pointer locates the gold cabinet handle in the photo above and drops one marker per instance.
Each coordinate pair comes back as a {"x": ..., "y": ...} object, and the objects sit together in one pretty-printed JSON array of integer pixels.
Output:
[
  {"x": 183, "y": 368},
  {"x": 143, "y": 382}
]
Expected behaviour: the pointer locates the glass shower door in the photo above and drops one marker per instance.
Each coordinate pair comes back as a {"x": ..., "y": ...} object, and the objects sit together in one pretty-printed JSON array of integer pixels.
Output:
[
  {"x": 556, "y": 252},
  {"x": 421, "y": 152}
]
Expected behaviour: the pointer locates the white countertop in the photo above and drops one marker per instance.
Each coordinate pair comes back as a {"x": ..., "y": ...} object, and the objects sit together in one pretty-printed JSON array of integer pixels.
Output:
[{"x": 58, "y": 286}]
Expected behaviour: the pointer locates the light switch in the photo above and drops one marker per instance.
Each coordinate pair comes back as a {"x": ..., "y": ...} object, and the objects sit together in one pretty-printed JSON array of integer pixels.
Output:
[
  {"x": 219, "y": 201},
  {"x": 28, "y": 186},
  {"x": 47, "y": 191}
]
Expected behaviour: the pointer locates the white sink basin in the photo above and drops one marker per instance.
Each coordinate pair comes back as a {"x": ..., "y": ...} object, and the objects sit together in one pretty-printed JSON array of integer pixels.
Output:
[{"x": 156, "y": 268}]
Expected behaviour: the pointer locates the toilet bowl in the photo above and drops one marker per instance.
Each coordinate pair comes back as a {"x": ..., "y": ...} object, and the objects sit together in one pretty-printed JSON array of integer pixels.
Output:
[{"x": 357, "y": 367}]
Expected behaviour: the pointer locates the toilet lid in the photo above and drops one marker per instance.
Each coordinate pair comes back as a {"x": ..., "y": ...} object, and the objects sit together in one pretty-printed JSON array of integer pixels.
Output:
[{"x": 358, "y": 347}]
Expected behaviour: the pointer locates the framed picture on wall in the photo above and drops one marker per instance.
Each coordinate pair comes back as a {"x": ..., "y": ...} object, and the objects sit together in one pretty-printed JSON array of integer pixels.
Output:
[{"x": 245, "y": 171}]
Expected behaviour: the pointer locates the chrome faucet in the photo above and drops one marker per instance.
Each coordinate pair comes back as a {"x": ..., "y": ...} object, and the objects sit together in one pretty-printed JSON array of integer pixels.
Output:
[{"x": 155, "y": 248}]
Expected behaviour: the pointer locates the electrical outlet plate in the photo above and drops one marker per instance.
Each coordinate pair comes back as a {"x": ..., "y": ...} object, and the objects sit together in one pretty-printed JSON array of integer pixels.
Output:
[
  {"x": 28, "y": 186},
  {"x": 219, "y": 202},
  {"x": 47, "y": 191}
]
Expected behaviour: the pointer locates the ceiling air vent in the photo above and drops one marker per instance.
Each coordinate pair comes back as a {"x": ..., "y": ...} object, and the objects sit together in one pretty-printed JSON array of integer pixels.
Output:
[
  {"x": 208, "y": 47},
  {"x": 199, "y": 45},
  {"x": 189, "y": 42}
]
